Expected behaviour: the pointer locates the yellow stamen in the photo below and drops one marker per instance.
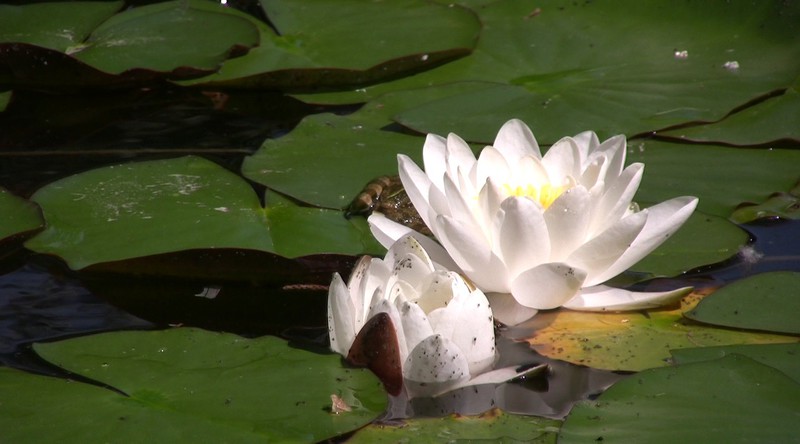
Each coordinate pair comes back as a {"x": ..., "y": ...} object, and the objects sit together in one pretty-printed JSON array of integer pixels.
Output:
[{"x": 545, "y": 194}]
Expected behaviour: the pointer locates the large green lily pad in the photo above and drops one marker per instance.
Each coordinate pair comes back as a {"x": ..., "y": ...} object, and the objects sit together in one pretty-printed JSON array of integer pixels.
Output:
[
  {"x": 149, "y": 208},
  {"x": 721, "y": 177},
  {"x": 166, "y": 36},
  {"x": 335, "y": 43},
  {"x": 56, "y": 26},
  {"x": 494, "y": 426},
  {"x": 733, "y": 399},
  {"x": 81, "y": 44},
  {"x": 767, "y": 301},
  {"x": 780, "y": 356},
  {"x": 347, "y": 151},
  {"x": 631, "y": 341},
  {"x": 772, "y": 121},
  {"x": 618, "y": 67},
  {"x": 185, "y": 385}
]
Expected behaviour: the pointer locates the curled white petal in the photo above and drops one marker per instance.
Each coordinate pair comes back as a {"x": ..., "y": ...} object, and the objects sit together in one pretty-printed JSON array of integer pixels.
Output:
[{"x": 604, "y": 298}]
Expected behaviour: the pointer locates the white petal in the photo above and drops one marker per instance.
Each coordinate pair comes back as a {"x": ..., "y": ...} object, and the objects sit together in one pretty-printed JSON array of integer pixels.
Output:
[
  {"x": 433, "y": 157},
  {"x": 592, "y": 172},
  {"x": 489, "y": 200},
  {"x": 604, "y": 251},
  {"x": 375, "y": 277},
  {"x": 568, "y": 219},
  {"x": 524, "y": 239},
  {"x": 587, "y": 142},
  {"x": 387, "y": 231},
  {"x": 341, "y": 326},
  {"x": 439, "y": 288},
  {"x": 507, "y": 310},
  {"x": 505, "y": 374},
  {"x": 412, "y": 269},
  {"x": 416, "y": 185},
  {"x": 491, "y": 164},
  {"x": 663, "y": 220},
  {"x": 547, "y": 286},
  {"x": 434, "y": 366},
  {"x": 467, "y": 321},
  {"x": 459, "y": 208},
  {"x": 458, "y": 155},
  {"x": 528, "y": 170},
  {"x": 615, "y": 202},
  {"x": 615, "y": 150},
  {"x": 562, "y": 160},
  {"x": 408, "y": 245},
  {"x": 515, "y": 140},
  {"x": 415, "y": 324},
  {"x": 472, "y": 253},
  {"x": 603, "y": 298}
]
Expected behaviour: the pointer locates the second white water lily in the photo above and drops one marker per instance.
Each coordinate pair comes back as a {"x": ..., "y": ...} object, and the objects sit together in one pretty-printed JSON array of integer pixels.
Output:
[
  {"x": 538, "y": 232},
  {"x": 444, "y": 328}
]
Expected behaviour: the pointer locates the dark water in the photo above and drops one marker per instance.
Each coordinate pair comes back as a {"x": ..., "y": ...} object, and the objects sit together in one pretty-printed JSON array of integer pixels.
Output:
[{"x": 46, "y": 137}]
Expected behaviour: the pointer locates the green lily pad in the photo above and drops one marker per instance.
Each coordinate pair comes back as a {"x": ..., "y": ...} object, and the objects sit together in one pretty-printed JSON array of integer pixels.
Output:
[
  {"x": 631, "y": 341},
  {"x": 5, "y": 98},
  {"x": 733, "y": 399},
  {"x": 166, "y": 36},
  {"x": 722, "y": 177},
  {"x": 150, "y": 208},
  {"x": 779, "y": 204},
  {"x": 602, "y": 78},
  {"x": 56, "y": 26},
  {"x": 766, "y": 301},
  {"x": 186, "y": 385},
  {"x": 783, "y": 357},
  {"x": 87, "y": 45},
  {"x": 348, "y": 151},
  {"x": 17, "y": 215},
  {"x": 346, "y": 155},
  {"x": 772, "y": 121},
  {"x": 704, "y": 239},
  {"x": 367, "y": 43},
  {"x": 302, "y": 231},
  {"x": 494, "y": 425}
]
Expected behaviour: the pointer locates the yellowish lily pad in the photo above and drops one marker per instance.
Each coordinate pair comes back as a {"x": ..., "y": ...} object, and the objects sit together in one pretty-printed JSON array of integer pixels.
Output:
[{"x": 631, "y": 341}]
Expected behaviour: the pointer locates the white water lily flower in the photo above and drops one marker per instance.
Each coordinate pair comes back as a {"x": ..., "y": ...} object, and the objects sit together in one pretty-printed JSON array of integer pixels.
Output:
[
  {"x": 538, "y": 232},
  {"x": 444, "y": 328}
]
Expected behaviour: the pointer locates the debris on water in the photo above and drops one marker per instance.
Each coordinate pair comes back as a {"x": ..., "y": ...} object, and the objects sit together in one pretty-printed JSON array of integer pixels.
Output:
[
  {"x": 682, "y": 54},
  {"x": 731, "y": 65}
]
